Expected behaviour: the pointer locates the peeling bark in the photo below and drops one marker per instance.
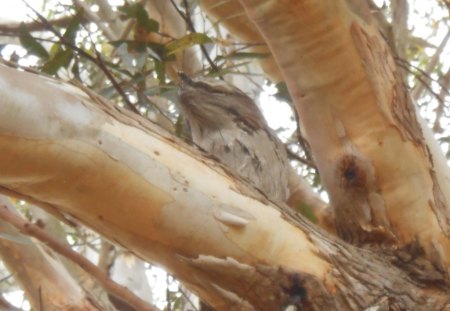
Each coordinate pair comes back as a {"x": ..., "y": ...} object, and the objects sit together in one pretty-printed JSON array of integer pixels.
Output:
[
  {"x": 370, "y": 148},
  {"x": 73, "y": 153},
  {"x": 146, "y": 190}
]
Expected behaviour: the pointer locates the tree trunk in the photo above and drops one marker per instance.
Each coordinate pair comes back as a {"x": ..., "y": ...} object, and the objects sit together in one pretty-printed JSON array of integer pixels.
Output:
[{"x": 70, "y": 151}]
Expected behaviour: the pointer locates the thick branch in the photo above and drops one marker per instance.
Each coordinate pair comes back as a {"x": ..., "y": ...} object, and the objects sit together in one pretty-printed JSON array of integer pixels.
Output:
[
  {"x": 146, "y": 190},
  {"x": 45, "y": 281},
  {"x": 36, "y": 232},
  {"x": 387, "y": 181}
]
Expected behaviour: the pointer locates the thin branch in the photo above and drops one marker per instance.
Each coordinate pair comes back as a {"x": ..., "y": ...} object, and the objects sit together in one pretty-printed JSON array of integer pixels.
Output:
[
  {"x": 96, "y": 60},
  {"x": 303, "y": 143},
  {"x": 109, "y": 285},
  {"x": 188, "y": 299},
  {"x": 440, "y": 108},
  {"x": 406, "y": 65},
  {"x": 399, "y": 27},
  {"x": 418, "y": 88},
  {"x": 13, "y": 28},
  {"x": 425, "y": 83},
  {"x": 293, "y": 155},
  {"x": 94, "y": 18},
  {"x": 187, "y": 18}
]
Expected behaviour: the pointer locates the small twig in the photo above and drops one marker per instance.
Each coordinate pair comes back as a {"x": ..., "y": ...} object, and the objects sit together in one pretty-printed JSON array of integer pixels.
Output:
[
  {"x": 187, "y": 18},
  {"x": 303, "y": 143},
  {"x": 407, "y": 65},
  {"x": 189, "y": 300},
  {"x": 295, "y": 156},
  {"x": 13, "y": 28},
  {"x": 431, "y": 64},
  {"x": 96, "y": 60},
  {"x": 427, "y": 86},
  {"x": 440, "y": 109},
  {"x": 103, "y": 279}
]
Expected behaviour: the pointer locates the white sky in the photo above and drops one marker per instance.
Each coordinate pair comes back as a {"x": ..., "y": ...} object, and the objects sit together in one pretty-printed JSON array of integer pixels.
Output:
[{"x": 16, "y": 10}]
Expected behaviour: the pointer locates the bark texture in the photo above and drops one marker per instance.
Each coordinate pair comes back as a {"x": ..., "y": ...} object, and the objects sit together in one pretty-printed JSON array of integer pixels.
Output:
[
  {"x": 43, "y": 278},
  {"x": 146, "y": 190},
  {"x": 73, "y": 153},
  {"x": 387, "y": 182}
]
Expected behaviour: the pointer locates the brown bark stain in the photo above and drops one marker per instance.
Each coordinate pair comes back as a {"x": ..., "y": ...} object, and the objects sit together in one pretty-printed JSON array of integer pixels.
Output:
[
  {"x": 393, "y": 99},
  {"x": 397, "y": 106},
  {"x": 368, "y": 223}
]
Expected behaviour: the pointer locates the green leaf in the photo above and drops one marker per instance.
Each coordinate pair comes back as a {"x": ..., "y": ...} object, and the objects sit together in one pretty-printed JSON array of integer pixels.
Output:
[
  {"x": 445, "y": 139},
  {"x": 307, "y": 211},
  {"x": 243, "y": 55},
  {"x": 179, "y": 126},
  {"x": 71, "y": 30},
  {"x": 131, "y": 10},
  {"x": 158, "y": 90},
  {"x": 187, "y": 41},
  {"x": 138, "y": 12},
  {"x": 157, "y": 51},
  {"x": 76, "y": 70},
  {"x": 316, "y": 180},
  {"x": 160, "y": 70},
  {"x": 283, "y": 92},
  {"x": 55, "y": 49},
  {"x": 61, "y": 59},
  {"x": 149, "y": 24},
  {"x": 31, "y": 44},
  {"x": 117, "y": 43},
  {"x": 177, "y": 304},
  {"x": 227, "y": 70}
]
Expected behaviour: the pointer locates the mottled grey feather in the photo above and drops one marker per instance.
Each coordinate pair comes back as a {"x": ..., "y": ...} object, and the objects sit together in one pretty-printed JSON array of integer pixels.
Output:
[{"x": 228, "y": 124}]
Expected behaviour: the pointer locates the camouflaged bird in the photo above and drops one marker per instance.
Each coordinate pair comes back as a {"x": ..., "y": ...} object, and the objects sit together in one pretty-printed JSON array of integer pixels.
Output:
[{"x": 227, "y": 123}]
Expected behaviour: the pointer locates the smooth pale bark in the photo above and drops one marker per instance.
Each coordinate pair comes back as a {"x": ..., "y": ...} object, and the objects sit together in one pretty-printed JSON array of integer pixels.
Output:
[
  {"x": 387, "y": 179},
  {"x": 113, "y": 171},
  {"x": 136, "y": 186},
  {"x": 45, "y": 281}
]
